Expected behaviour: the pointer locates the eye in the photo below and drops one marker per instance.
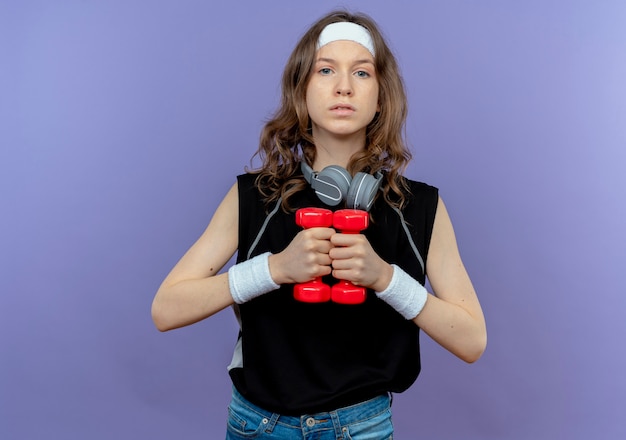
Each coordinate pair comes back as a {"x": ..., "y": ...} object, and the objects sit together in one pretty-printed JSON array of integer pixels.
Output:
[
  {"x": 325, "y": 71},
  {"x": 362, "y": 74}
]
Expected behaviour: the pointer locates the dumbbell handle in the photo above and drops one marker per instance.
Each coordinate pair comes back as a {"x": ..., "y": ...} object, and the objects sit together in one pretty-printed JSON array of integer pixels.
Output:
[
  {"x": 314, "y": 291},
  {"x": 349, "y": 221}
]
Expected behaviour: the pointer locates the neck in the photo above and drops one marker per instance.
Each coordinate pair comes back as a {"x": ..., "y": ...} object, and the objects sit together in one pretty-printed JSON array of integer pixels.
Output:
[{"x": 336, "y": 151}]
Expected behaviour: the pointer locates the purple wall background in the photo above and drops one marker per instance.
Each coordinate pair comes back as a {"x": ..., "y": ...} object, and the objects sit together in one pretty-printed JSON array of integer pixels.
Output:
[{"x": 123, "y": 123}]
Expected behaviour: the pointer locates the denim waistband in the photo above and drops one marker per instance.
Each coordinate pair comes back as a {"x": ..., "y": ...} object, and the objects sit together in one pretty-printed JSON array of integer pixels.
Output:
[{"x": 346, "y": 415}]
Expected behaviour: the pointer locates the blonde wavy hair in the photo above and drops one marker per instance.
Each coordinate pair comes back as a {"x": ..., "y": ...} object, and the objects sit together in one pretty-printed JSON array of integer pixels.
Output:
[{"x": 286, "y": 138}]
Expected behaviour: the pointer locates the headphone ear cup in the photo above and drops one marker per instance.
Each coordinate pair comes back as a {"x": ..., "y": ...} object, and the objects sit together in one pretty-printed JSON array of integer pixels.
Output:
[
  {"x": 332, "y": 185},
  {"x": 362, "y": 191}
]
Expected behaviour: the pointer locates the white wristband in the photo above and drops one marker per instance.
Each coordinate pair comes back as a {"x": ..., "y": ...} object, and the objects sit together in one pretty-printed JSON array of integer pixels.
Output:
[
  {"x": 404, "y": 293},
  {"x": 251, "y": 278}
]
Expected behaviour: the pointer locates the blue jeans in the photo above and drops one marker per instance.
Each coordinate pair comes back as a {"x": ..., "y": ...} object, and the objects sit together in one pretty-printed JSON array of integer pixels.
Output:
[{"x": 370, "y": 420}]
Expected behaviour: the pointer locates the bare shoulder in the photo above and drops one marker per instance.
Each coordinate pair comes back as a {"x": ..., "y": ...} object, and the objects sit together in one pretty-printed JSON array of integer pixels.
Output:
[
  {"x": 226, "y": 216},
  {"x": 443, "y": 236},
  {"x": 221, "y": 235}
]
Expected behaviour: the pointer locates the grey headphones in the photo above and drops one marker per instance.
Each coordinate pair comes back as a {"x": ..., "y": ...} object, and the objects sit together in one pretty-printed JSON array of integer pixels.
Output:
[{"x": 334, "y": 185}]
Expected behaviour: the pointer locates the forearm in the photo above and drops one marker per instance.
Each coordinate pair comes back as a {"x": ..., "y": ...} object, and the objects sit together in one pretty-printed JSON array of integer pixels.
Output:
[
  {"x": 189, "y": 301},
  {"x": 459, "y": 329},
  {"x": 454, "y": 328}
]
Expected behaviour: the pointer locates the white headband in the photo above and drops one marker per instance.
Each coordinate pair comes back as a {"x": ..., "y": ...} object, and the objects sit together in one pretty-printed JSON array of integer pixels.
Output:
[{"x": 346, "y": 30}]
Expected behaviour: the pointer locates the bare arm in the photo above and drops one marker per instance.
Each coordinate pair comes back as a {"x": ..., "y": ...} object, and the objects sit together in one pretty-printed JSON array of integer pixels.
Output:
[
  {"x": 192, "y": 291},
  {"x": 453, "y": 316}
]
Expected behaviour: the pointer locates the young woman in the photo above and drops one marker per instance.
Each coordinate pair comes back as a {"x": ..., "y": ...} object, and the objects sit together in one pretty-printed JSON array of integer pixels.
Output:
[{"x": 326, "y": 370}]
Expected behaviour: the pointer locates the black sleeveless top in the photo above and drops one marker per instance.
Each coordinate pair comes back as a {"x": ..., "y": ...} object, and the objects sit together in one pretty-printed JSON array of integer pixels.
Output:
[{"x": 299, "y": 358}]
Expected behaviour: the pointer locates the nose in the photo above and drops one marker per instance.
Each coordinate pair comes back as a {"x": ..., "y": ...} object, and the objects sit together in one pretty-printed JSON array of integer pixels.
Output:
[{"x": 344, "y": 86}]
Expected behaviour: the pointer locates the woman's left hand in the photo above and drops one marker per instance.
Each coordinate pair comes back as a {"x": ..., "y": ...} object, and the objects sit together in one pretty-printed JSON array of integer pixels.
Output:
[{"x": 354, "y": 260}]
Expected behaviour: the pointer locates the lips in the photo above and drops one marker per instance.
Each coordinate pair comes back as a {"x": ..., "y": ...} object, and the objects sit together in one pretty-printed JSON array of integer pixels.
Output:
[
  {"x": 342, "y": 110},
  {"x": 342, "y": 107}
]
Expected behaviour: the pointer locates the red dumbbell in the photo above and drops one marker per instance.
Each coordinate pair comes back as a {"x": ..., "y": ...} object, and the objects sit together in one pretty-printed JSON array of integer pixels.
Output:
[
  {"x": 349, "y": 221},
  {"x": 314, "y": 291}
]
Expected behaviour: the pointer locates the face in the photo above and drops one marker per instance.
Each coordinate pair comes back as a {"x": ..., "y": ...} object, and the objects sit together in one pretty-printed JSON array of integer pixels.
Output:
[{"x": 342, "y": 93}]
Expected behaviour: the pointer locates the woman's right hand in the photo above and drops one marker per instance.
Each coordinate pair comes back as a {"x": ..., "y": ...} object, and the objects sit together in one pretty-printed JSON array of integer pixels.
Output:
[{"x": 304, "y": 259}]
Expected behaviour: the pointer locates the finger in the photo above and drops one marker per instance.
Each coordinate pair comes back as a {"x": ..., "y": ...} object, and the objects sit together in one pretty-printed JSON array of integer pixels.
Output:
[
  {"x": 340, "y": 264},
  {"x": 321, "y": 233},
  {"x": 324, "y": 260},
  {"x": 324, "y": 270},
  {"x": 341, "y": 253},
  {"x": 324, "y": 246},
  {"x": 346, "y": 275},
  {"x": 345, "y": 239},
  {"x": 357, "y": 250}
]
